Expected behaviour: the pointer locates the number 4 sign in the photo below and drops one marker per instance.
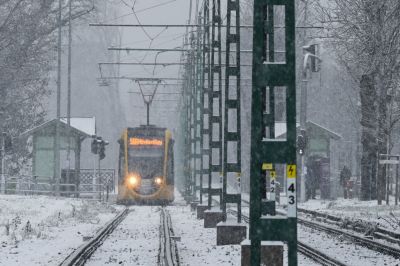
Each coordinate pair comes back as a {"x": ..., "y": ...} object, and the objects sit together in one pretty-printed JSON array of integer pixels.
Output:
[{"x": 291, "y": 190}]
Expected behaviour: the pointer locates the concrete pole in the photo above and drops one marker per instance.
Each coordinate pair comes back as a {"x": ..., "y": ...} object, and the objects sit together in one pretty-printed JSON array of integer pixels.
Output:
[
  {"x": 303, "y": 107},
  {"x": 303, "y": 117},
  {"x": 57, "y": 135},
  {"x": 69, "y": 93}
]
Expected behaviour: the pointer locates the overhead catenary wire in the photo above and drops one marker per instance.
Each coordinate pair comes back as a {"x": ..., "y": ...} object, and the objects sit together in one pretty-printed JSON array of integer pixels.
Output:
[
  {"x": 141, "y": 10},
  {"x": 156, "y": 64},
  {"x": 186, "y": 26}
]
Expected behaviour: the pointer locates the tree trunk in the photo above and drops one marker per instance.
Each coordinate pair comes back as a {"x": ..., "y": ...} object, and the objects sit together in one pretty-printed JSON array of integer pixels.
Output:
[
  {"x": 368, "y": 138},
  {"x": 382, "y": 135}
]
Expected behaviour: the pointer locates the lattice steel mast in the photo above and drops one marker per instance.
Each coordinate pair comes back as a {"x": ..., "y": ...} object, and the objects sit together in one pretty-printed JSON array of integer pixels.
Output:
[
  {"x": 232, "y": 107},
  {"x": 215, "y": 100}
]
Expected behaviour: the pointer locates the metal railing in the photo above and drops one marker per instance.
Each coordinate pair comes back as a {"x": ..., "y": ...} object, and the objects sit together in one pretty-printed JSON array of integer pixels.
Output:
[{"x": 94, "y": 186}]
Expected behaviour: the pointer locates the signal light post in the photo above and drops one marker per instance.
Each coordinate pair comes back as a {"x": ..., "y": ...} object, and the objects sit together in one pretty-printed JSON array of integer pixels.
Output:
[
  {"x": 98, "y": 147},
  {"x": 310, "y": 54}
]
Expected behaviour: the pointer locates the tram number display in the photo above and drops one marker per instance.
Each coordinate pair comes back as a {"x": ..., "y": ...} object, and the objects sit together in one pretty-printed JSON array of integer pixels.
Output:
[{"x": 145, "y": 142}]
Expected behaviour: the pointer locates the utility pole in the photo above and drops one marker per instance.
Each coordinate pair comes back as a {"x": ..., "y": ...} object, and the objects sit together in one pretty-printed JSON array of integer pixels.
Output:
[
  {"x": 309, "y": 53},
  {"x": 69, "y": 93},
  {"x": 56, "y": 177},
  {"x": 303, "y": 110}
]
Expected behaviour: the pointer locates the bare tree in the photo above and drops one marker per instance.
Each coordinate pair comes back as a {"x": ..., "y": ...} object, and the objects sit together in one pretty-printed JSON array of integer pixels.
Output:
[
  {"x": 27, "y": 45},
  {"x": 366, "y": 37}
]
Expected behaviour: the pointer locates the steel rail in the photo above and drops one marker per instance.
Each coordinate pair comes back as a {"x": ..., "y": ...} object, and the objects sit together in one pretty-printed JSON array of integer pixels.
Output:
[
  {"x": 306, "y": 250},
  {"x": 378, "y": 232},
  {"x": 317, "y": 256},
  {"x": 371, "y": 244},
  {"x": 368, "y": 243},
  {"x": 83, "y": 253},
  {"x": 168, "y": 251}
]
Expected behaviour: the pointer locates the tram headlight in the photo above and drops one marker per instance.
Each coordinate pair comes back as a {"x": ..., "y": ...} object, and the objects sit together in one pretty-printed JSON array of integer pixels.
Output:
[
  {"x": 133, "y": 180},
  {"x": 158, "y": 180}
]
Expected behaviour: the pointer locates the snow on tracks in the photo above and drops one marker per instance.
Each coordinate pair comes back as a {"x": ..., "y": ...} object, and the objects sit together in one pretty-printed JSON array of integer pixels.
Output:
[
  {"x": 133, "y": 242},
  {"x": 198, "y": 244},
  {"x": 83, "y": 253}
]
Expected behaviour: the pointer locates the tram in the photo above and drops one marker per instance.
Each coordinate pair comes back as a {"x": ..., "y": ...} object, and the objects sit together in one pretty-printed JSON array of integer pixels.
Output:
[{"x": 146, "y": 166}]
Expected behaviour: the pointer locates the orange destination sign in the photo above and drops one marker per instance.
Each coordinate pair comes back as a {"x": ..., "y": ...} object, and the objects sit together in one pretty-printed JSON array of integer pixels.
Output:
[{"x": 149, "y": 142}]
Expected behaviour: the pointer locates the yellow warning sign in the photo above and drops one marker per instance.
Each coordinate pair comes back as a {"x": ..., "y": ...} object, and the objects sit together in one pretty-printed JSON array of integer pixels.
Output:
[
  {"x": 273, "y": 174},
  {"x": 291, "y": 171},
  {"x": 267, "y": 166}
]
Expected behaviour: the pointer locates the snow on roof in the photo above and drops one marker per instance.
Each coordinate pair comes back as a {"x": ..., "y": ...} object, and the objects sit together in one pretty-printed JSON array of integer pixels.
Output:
[
  {"x": 84, "y": 124},
  {"x": 81, "y": 125}
]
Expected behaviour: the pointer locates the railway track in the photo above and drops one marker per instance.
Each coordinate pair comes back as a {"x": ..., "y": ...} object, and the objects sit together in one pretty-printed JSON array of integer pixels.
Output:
[
  {"x": 317, "y": 256},
  {"x": 377, "y": 232},
  {"x": 363, "y": 241},
  {"x": 167, "y": 249},
  {"x": 168, "y": 252},
  {"x": 360, "y": 240},
  {"x": 83, "y": 253},
  {"x": 306, "y": 250}
]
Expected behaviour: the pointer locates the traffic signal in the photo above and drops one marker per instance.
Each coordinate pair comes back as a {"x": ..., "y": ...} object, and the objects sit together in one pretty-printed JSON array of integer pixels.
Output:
[
  {"x": 301, "y": 144},
  {"x": 313, "y": 49},
  {"x": 102, "y": 149},
  {"x": 102, "y": 152},
  {"x": 95, "y": 146},
  {"x": 99, "y": 147}
]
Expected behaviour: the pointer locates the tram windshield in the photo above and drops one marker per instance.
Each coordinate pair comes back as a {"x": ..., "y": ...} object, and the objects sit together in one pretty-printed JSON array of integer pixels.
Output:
[{"x": 146, "y": 157}]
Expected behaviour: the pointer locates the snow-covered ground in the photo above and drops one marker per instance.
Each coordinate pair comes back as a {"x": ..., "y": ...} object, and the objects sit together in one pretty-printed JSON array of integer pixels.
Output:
[
  {"x": 387, "y": 216},
  {"x": 57, "y": 226},
  {"x": 42, "y": 230},
  {"x": 198, "y": 244}
]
